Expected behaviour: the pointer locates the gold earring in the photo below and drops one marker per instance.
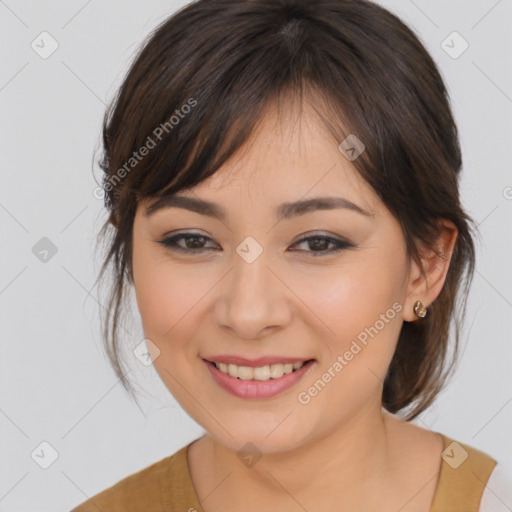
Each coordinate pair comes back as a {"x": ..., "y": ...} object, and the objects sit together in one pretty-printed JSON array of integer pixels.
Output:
[{"x": 420, "y": 309}]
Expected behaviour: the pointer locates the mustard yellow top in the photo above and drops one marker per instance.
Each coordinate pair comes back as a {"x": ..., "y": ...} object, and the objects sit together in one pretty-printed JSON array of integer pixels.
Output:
[{"x": 166, "y": 486}]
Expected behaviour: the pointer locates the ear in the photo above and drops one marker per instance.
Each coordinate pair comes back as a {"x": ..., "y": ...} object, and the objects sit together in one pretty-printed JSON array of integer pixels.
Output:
[{"x": 427, "y": 287}]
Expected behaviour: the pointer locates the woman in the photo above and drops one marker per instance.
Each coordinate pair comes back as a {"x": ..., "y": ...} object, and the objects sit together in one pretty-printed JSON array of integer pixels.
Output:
[{"x": 282, "y": 181}]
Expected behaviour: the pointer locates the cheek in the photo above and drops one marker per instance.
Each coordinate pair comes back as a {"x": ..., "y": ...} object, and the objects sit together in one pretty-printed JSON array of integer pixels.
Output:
[
  {"x": 360, "y": 305},
  {"x": 159, "y": 293},
  {"x": 362, "y": 308},
  {"x": 169, "y": 297}
]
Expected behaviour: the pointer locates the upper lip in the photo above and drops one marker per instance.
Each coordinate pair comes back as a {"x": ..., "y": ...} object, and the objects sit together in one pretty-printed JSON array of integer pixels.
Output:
[{"x": 260, "y": 361}]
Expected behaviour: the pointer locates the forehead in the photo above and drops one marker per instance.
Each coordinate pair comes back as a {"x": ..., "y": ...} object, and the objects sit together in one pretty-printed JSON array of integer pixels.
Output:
[{"x": 289, "y": 155}]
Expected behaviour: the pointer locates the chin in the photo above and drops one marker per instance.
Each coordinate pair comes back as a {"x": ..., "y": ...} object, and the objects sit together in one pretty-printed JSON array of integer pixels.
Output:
[{"x": 250, "y": 435}]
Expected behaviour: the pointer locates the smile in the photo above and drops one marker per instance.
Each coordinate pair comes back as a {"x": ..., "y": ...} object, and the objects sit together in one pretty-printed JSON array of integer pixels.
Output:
[
  {"x": 258, "y": 382},
  {"x": 274, "y": 371}
]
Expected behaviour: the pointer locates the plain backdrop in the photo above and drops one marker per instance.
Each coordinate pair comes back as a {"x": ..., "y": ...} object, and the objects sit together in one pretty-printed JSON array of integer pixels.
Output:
[{"x": 61, "y": 405}]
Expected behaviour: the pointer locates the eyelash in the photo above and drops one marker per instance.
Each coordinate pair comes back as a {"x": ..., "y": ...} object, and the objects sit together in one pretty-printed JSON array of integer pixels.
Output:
[{"x": 171, "y": 243}]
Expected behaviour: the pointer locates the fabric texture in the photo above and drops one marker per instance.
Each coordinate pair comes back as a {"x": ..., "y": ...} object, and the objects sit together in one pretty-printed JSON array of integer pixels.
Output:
[{"x": 166, "y": 486}]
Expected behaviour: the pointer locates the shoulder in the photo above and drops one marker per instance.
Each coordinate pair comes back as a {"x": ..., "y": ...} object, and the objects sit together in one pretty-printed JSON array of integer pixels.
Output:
[
  {"x": 140, "y": 491},
  {"x": 464, "y": 473},
  {"x": 497, "y": 496}
]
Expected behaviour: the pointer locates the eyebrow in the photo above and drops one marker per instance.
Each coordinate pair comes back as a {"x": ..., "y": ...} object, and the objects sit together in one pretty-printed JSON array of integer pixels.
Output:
[{"x": 283, "y": 211}]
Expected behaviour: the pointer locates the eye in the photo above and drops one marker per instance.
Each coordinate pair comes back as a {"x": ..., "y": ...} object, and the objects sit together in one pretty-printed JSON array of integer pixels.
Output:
[
  {"x": 319, "y": 244},
  {"x": 195, "y": 243}
]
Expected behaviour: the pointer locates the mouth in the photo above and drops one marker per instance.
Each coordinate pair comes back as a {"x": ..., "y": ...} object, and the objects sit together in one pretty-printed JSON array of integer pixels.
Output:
[
  {"x": 258, "y": 381},
  {"x": 261, "y": 373}
]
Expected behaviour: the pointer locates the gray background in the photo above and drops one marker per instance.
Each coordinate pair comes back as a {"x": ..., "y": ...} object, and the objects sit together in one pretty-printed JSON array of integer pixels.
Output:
[{"x": 56, "y": 384}]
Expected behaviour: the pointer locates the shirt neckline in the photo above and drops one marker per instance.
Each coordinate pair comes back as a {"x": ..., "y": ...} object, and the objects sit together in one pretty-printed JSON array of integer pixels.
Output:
[{"x": 180, "y": 486}]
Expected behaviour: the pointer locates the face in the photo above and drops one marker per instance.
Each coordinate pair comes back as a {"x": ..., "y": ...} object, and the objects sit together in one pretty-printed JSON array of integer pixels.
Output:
[{"x": 319, "y": 284}]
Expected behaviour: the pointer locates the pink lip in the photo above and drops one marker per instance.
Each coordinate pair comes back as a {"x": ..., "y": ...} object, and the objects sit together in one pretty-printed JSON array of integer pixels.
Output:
[
  {"x": 254, "y": 363},
  {"x": 256, "y": 388}
]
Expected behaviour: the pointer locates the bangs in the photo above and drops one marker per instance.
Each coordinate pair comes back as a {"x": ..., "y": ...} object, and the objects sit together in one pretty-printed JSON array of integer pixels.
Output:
[{"x": 197, "y": 104}]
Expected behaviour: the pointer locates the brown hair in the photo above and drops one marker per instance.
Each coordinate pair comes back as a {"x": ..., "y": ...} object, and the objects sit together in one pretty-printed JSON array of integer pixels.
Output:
[{"x": 364, "y": 71}]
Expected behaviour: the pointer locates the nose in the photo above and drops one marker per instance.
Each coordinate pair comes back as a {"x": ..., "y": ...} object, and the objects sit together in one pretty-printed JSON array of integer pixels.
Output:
[{"x": 253, "y": 300}]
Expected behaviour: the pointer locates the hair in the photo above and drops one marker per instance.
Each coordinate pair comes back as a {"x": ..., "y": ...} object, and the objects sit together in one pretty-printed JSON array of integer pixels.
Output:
[{"x": 204, "y": 77}]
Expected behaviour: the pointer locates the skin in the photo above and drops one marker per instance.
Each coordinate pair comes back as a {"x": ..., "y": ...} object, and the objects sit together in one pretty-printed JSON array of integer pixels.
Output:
[{"x": 341, "y": 451}]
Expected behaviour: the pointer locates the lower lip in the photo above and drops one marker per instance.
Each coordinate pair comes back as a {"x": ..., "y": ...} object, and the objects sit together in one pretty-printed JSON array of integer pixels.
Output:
[{"x": 257, "y": 388}]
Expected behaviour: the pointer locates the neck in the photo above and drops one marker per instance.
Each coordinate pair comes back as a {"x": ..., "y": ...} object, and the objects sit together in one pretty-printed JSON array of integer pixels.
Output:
[{"x": 354, "y": 456}]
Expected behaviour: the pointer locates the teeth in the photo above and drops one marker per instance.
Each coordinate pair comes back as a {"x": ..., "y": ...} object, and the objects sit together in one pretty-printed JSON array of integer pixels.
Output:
[{"x": 273, "y": 371}]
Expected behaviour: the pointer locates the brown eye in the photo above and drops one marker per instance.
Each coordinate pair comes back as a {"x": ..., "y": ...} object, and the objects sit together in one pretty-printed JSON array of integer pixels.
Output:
[
  {"x": 194, "y": 242},
  {"x": 319, "y": 244}
]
